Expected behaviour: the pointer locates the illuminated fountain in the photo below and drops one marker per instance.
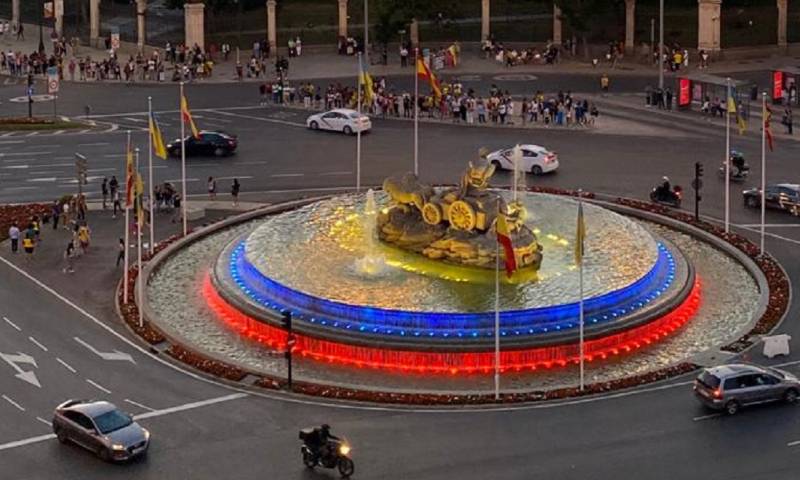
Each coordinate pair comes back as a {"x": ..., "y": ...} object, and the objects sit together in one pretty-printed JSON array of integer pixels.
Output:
[
  {"x": 373, "y": 262},
  {"x": 422, "y": 298}
]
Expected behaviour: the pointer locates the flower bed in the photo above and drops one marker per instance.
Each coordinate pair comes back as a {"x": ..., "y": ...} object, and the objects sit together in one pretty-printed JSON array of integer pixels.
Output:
[
  {"x": 20, "y": 214},
  {"x": 218, "y": 369},
  {"x": 776, "y": 278}
]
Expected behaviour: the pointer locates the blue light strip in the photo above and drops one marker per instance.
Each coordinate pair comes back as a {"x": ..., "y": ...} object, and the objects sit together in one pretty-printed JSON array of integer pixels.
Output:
[{"x": 330, "y": 314}]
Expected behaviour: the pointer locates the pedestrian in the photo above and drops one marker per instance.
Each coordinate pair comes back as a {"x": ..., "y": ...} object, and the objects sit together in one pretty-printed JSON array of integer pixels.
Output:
[
  {"x": 235, "y": 188},
  {"x": 69, "y": 258},
  {"x": 28, "y": 241},
  {"x": 176, "y": 205},
  {"x": 37, "y": 230},
  {"x": 113, "y": 185},
  {"x": 604, "y": 83},
  {"x": 120, "y": 251},
  {"x": 117, "y": 204},
  {"x": 212, "y": 188},
  {"x": 55, "y": 212},
  {"x": 104, "y": 191},
  {"x": 787, "y": 120},
  {"x": 84, "y": 237},
  {"x": 669, "y": 98},
  {"x": 20, "y": 32},
  {"x": 13, "y": 234}
]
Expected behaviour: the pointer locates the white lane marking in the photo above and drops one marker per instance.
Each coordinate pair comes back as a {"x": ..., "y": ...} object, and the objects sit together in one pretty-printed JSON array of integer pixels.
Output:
[
  {"x": 17, "y": 166},
  {"x": 330, "y": 174},
  {"x": 12, "y": 402},
  {"x": 8, "y": 189},
  {"x": 260, "y": 119},
  {"x": 59, "y": 132},
  {"x": 242, "y": 177},
  {"x": 46, "y": 422},
  {"x": 95, "y": 170},
  {"x": 279, "y": 175},
  {"x": 131, "y": 119},
  {"x": 98, "y": 386},
  {"x": 115, "y": 355},
  {"x": 23, "y": 154},
  {"x": 6, "y": 142},
  {"x": 153, "y": 414},
  {"x": 770, "y": 225},
  {"x": 190, "y": 406},
  {"x": 114, "y": 155},
  {"x": 43, "y": 146},
  {"x": 36, "y": 342},
  {"x": 215, "y": 119},
  {"x": 12, "y": 324},
  {"x": 137, "y": 404},
  {"x": 32, "y": 134},
  {"x": 66, "y": 365},
  {"x": 97, "y": 144},
  {"x": 706, "y": 417},
  {"x": 25, "y": 376},
  {"x": 42, "y": 179},
  {"x": 793, "y": 444},
  {"x": 178, "y": 180}
]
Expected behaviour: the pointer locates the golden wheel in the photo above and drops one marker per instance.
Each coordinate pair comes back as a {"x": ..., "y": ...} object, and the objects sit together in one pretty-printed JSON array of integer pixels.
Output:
[
  {"x": 462, "y": 216},
  {"x": 432, "y": 214}
]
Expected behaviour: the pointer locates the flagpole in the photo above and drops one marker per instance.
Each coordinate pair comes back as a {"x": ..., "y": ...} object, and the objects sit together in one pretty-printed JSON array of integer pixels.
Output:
[
  {"x": 763, "y": 168},
  {"x": 127, "y": 225},
  {"x": 497, "y": 312},
  {"x": 184, "y": 198},
  {"x": 358, "y": 131},
  {"x": 150, "y": 179},
  {"x": 416, "y": 113},
  {"x": 139, "y": 217},
  {"x": 516, "y": 170},
  {"x": 728, "y": 156},
  {"x": 580, "y": 293}
]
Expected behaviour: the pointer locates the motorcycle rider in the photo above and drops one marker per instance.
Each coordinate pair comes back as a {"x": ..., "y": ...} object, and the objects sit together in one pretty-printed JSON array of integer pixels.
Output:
[
  {"x": 320, "y": 443},
  {"x": 737, "y": 160},
  {"x": 664, "y": 191}
]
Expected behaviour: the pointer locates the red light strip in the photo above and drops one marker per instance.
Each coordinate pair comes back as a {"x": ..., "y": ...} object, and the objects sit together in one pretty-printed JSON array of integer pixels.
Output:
[{"x": 454, "y": 362}]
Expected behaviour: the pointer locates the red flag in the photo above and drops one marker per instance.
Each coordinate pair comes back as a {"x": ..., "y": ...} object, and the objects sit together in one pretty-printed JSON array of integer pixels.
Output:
[
  {"x": 187, "y": 117},
  {"x": 130, "y": 176},
  {"x": 425, "y": 73},
  {"x": 504, "y": 237},
  {"x": 767, "y": 116}
]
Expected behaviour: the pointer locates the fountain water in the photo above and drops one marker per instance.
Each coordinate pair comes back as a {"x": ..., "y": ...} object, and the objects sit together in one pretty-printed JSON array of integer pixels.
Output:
[{"x": 373, "y": 262}]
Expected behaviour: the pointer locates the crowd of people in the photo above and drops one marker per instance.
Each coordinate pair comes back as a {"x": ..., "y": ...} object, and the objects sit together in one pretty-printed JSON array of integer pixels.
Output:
[{"x": 510, "y": 56}]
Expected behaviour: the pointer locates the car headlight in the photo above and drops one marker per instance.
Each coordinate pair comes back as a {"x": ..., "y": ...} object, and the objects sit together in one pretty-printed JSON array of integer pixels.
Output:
[
  {"x": 344, "y": 449},
  {"x": 117, "y": 447},
  {"x": 146, "y": 433}
]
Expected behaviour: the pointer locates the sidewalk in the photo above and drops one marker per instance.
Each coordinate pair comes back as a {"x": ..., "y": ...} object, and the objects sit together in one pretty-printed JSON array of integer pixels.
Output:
[{"x": 96, "y": 275}]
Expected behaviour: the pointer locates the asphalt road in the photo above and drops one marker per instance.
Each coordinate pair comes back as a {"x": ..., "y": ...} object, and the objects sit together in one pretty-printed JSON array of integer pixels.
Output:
[{"x": 203, "y": 430}]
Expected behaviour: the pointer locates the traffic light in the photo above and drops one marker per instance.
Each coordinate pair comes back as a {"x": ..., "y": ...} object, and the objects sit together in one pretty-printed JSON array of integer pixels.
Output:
[
  {"x": 286, "y": 320},
  {"x": 698, "y": 170},
  {"x": 697, "y": 185}
]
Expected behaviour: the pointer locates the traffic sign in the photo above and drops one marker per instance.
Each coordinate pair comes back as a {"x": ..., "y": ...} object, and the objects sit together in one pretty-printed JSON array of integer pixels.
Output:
[{"x": 52, "y": 80}]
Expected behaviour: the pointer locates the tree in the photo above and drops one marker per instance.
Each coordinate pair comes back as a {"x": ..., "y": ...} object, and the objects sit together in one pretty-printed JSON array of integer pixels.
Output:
[{"x": 581, "y": 15}]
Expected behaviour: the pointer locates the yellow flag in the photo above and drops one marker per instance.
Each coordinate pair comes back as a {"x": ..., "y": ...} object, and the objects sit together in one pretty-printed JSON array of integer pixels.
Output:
[
  {"x": 366, "y": 83},
  {"x": 158, "y": 140},
  {"x": 731, "y": 105},
  {"x": 742, "y": 124}
]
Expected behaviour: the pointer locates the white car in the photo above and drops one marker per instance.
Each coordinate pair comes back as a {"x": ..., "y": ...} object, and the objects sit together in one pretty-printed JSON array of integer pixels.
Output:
[
  {"x": 340, "y": 120},
  {"x": 535, "y": 159}
]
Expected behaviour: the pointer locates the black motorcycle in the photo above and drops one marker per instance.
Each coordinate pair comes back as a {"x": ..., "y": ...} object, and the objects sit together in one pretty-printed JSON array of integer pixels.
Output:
[
  {"x": 671, "y": 198},
  {"x": 336, "y": 454},
  {"x": 739, "y": 169}
]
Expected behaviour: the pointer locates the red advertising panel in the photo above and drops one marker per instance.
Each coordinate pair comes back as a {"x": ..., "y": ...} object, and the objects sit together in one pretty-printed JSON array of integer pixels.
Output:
[
  {"x": 684, "y": 95},
  {"x": 777, "y": 85}
]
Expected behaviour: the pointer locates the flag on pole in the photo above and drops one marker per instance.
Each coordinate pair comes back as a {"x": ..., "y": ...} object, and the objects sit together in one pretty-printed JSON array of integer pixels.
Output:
[
  {"x": 580, "y": 236},
  {"x": 139, "y": 192},
  {"x": 425, "y": 73},
  {"x": 365, "y": 81},
  {"x": 158, "y": 140},
  {"x": 187, "y": 117},
  {"x": 130, "y": 175},
  {"x": 766, "y": 114},
  {"x": 740, "y": 122},
  {"x": 504, "y": 238}
]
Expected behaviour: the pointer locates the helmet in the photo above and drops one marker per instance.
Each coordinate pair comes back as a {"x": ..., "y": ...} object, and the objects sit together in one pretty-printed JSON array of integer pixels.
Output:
[
  {"x": 325, "y": 427},
  {"x": 665, "y": 178}
]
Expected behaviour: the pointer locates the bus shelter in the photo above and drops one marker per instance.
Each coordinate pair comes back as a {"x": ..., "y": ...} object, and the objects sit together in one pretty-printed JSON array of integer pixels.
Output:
[
  {"x": 696, "y": 87},
  {"x": 784, "y": 85}
]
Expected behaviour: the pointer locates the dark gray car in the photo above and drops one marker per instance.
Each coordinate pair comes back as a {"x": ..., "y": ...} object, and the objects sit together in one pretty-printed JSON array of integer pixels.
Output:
[
  {"x": 100, "y": 427},
  {"x": 730, "y": 387}
]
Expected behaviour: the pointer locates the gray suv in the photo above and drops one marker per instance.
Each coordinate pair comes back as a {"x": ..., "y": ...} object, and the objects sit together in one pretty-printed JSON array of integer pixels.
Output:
[
  {"x": 730, "y": 387},
  {"x": 100, "y": 428}
]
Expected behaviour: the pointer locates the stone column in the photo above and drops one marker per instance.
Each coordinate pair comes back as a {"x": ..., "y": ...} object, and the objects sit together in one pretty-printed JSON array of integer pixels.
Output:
[
  {"x": 485, "y": 19},
  {"x": 343, "y": 18},
  {"x": 194, "y": 32},
  {"x": 556, "y": 25},
  {"x": 708, "y": 28},
  {"x": 413, "y": 33},
  {"x": 141, "y": 12},
  {"x": 630, "y": 25},
  {"x": 14, "y": 13},
  {"x": 272, "y": 33},
  {"x": 94, "y": 21},
  {"x": 783, "y": 14}
]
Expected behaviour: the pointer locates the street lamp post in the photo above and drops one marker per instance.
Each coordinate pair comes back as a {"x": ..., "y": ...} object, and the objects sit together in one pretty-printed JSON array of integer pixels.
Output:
[
  {"x": 660, "y": 44},
  {"x": 41, "y": 29},
  {"x": 366, "y": 33}
]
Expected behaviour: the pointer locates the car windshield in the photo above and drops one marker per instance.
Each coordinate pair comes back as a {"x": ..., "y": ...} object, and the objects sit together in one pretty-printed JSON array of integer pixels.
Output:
[
  {"x": 355, "y": 115},
  {"x": 709, "y": 380},
  {"x": 777, "y": 373},
  {"x": 111, "y": 421}
]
